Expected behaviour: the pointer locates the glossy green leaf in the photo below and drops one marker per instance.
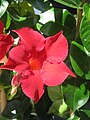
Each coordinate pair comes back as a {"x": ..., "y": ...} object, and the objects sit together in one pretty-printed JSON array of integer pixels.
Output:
[
  {"x": 74, "y": 117},
  {"x": 55, "y": 93},
  {"x": 40, "y": 4},
  {"x": 50, "y": 28},
  {"x": 68, "y": 28},
  {"x": 70, "y": 3},
  {"x": 8, "y": 22},
  {"x": 22, "y": 8},
  {"x": 79, "y": 60},
  {"x": 68, "y": 20},
  {"x": 86, "y": 10},
  {"x": 3, "y": 7},
  {"x": 85, "y": 110},
  {"x": 85, "y": 29},
  {"x": 13, "y": 13},
  {"x": 63, "y": 107},
  {"x": 76, "y": 93},
  {"x": 55, "y": 107},
  {"x": 30, "y": 22}
]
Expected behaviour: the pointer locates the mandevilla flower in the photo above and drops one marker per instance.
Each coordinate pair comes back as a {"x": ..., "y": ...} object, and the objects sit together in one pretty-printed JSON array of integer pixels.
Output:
[
  {"x": 38, "y": 61},
  {"x": 6, "y": 41}
]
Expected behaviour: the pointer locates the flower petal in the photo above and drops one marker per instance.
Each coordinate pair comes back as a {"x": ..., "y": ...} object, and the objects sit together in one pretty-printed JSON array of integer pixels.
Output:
[
  {"x": 17, "y": 59},
  {"x": 16, "y": 80},
  {"x": 5, "y": 43},
  {"x": 1, "y": 27},
  {"x": 31, "y": 38},
  {"x": 33, "y": 86},
  {"x": 57, "y": 48},
  {"x": 55, "y": 74}
]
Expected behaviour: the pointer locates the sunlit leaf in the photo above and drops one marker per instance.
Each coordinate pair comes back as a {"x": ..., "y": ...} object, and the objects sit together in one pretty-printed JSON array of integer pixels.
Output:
[{"x": 3, "y": 7}]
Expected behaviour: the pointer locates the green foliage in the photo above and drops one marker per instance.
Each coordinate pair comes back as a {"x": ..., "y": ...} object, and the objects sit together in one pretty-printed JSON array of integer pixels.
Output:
[
  {"x": 70, "y": 3},
  {"x": 79, "y": 60},
  {"x": 76, "y": 94},
  {"x": 85, "y": 29},
  {"x": 40, "y": 4},
  {"x": 3, "y": 7}
]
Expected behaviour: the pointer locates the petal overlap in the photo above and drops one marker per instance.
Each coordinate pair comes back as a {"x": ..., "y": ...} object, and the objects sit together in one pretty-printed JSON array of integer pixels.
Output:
[
  {"x": 17, "y": 59},
  {"x": 31, "y": 38}
]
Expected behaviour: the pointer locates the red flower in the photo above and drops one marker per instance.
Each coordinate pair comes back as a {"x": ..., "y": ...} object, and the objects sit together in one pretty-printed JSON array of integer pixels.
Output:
[
  {"x": 5, "y": 41},
  {"x": 38, "y": 61}
]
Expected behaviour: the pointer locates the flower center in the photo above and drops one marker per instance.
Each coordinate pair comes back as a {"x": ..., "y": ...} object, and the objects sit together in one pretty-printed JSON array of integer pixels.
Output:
[{"x": 34, "y": 64}]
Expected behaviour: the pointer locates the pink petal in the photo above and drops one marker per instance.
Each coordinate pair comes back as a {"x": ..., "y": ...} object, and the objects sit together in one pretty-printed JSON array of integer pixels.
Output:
[
  {"x": 55, "y": 74},
  {"x": 56, "y": 48},
  {"x": 33, "y": 86},
  {"x": 17, "y": 59},
  {"x": 1, "y": 27},
  {"x": 6, "y": 42},
  {"x": 16, "y": 80},
  {"x": 31, "y": 38},
  {"x": 37, "y": 59}
]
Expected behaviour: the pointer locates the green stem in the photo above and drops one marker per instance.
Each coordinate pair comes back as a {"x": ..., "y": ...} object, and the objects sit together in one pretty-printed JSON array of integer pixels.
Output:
[{"x": 5, "y": 87}]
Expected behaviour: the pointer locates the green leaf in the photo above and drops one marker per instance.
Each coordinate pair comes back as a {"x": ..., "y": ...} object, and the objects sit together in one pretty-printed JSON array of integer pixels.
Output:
[
  {"x": 70, "y": 3},
  {"x": 50, "y": 28},
  {"x": 68, "y": 20},
  {"x": 3, "y": 7},
  {"x": 8, "y": 22},
  {"x": 55, "y": 93},
  {"x": 85, "y": 110},
  {"x": 40, "y": 4},
  {"x": 85, "y": 29},
  {"x": 55, "y": 107},
  {"x": 22, "y": 8},
  {"x": 68, "y": 28},
  {"x": 76, "y": 93},
  {"x": 79, "y": 60},
  {"x": 86, "y": 10},
  {"x": 63, "y": 107},
  {"x": 74, "y": 117}
]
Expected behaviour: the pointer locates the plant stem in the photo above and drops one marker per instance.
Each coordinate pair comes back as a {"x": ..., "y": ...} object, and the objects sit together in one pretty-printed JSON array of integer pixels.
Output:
[{"x": 78, "y": 21}]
